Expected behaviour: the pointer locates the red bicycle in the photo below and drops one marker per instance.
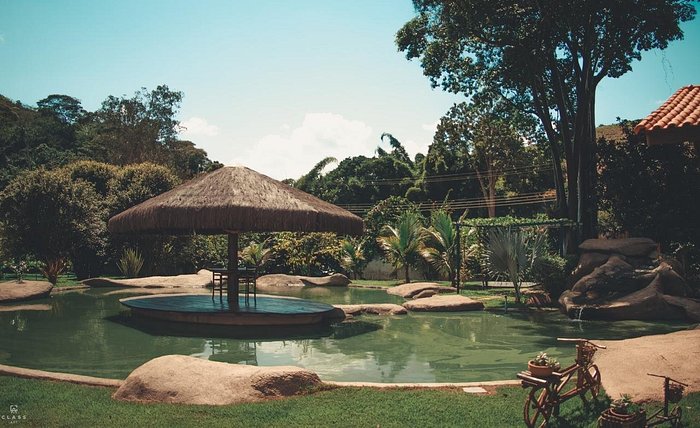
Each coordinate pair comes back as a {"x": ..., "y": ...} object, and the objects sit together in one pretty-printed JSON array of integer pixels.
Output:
[
  {"x": 547, "y": 394},
  {"x": 673, "y": 392}
]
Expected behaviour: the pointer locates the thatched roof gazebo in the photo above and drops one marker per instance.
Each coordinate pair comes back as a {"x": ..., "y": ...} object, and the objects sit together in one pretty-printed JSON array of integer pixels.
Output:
[{"x": 231, "y": 200}]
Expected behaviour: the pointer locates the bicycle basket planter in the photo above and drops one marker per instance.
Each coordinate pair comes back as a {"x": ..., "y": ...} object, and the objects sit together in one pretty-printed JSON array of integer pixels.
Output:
[
  {"x": 539, "y": 371},
  {"x": 542, "y": 365},
  {"x": 675, "y": 392},
  {"x": 610, "y": 419}
]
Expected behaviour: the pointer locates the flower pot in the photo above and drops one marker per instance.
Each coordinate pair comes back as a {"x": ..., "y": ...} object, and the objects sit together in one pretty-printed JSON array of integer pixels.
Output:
[
  {"x": 610, "y": 419},
  {"x": 539, "y": 371}
]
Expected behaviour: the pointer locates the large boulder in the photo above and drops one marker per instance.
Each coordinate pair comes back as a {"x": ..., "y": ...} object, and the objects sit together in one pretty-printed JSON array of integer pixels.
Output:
[
  {"x": 618, "y": 279},
  {"x": 586, "y": 264},
  {"x": 282, "y": 280},
  {"x": 451, "y": 303},
  {"x": 201, "y": 279},
  {"x": 409, "y": 290},
  {"x": 26, "y": 290},
  {"x": 188, "y": 380},
  {"x": 373, "y": 309},
  {"x": 631, "y": 247}
]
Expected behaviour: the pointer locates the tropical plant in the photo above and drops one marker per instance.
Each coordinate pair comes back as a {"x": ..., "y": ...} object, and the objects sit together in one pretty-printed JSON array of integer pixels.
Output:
[
  {"x": 402, "y": 242},
  {"x": 52, "y": 268},
  {"x": 130, "y": 263},
  {"x": 306, "y": 253},
  {"x": 510, "y": 254},
  {"x": 440, "y": 240},
  {"x": 256, "y": 254},
  {"x": 353, "y": 257}
]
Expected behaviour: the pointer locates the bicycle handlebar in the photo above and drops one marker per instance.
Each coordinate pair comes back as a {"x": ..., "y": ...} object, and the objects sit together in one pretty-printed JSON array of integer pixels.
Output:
[
  {"x": 566, "y": 339},
  {"x": 666, "y": 377}
]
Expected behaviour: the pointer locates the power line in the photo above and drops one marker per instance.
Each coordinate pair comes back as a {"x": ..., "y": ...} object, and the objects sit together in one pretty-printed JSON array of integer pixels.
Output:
[
  {"x": 501, "y": 201},
  {"x": 456, "y": 177},
  {"x": 460, "y": 200}
]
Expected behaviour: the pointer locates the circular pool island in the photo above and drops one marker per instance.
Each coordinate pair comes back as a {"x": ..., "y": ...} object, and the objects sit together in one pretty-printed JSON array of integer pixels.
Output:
[{"x": 203, "y": 309}]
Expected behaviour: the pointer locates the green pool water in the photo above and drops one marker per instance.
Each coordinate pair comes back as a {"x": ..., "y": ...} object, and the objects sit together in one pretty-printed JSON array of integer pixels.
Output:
[{"x": 90, "y": 333}]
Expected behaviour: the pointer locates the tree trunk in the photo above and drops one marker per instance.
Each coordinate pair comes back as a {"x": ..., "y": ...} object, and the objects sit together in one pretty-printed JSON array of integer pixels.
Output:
[
  {"x": 406, "y": 270},
  {"x": 584, "y": 140}
]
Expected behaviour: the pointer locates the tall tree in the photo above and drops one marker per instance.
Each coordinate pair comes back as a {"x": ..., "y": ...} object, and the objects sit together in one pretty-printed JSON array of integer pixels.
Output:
[
  {"x": 491, "y": 142},
  {"x": 138, "y": 129},
  {"x": 65, "y": 108},
  {"x": 547, "y": 57}
]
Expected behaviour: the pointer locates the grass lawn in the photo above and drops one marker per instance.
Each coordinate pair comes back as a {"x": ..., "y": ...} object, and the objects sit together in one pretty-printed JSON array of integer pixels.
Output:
[
  {"x": 65, "y": 280},
  {"x": 61, "y": 404}
]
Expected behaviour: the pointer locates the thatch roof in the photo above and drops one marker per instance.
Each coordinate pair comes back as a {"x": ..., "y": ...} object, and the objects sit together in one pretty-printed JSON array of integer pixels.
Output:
[{"x": 234, "y": 199}]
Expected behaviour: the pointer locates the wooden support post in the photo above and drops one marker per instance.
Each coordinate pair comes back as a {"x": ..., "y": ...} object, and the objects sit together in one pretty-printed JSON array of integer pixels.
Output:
[{"x": 232, "y": 286}]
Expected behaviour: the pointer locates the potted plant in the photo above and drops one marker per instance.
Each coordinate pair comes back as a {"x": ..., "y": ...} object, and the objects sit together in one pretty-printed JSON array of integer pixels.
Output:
[
  {"x": 543, "y": 365},
  {"x": 623, "y": 412}
]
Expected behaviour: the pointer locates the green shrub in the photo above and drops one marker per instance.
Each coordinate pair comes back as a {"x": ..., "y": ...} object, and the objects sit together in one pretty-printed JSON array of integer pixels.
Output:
[
  {"x": 130, "y": 263},
  {"x": 46, "y": 215},
  {"x": 550, "y": 272}
]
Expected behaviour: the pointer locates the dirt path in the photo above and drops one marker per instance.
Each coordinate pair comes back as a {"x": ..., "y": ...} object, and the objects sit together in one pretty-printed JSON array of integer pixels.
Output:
[{"x": 625, "y": 364}]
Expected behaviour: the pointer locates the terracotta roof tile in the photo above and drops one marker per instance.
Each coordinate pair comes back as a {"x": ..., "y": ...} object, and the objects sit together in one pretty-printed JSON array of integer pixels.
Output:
[{"x": 681, "y": 110}]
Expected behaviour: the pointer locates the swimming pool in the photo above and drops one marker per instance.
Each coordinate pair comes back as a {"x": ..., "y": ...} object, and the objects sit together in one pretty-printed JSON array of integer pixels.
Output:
[{"x": 90, "y": 333}]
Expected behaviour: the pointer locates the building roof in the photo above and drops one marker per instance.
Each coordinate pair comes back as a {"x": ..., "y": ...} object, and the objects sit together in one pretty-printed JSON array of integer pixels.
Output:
[
  {"x": 234, "y": 199},
  {"x": 681, "y": 110}
]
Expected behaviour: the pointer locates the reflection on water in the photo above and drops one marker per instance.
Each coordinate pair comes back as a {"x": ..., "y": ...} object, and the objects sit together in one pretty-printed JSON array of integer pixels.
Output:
[{"x": 91, "y": 333}]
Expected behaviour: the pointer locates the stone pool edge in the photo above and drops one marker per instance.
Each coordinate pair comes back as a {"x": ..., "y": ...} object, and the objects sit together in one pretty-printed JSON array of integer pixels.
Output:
[
  {"x": 58, "y": 376},
  {"x": 116, "y": 383}
]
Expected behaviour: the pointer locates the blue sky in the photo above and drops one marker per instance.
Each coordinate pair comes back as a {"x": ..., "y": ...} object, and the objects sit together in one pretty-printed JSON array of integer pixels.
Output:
[{"x": 274, "y": 85}]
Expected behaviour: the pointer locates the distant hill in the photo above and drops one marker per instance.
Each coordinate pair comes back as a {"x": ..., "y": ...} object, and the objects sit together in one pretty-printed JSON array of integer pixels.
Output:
[{"x": 614, "y": 132}]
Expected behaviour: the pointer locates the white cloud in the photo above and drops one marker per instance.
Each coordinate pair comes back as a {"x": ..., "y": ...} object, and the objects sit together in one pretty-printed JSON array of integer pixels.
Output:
[
  {"x": 431, "y": 127},
  {"x": 197, "y": 126},
  {"x": 293, "y": 153}
]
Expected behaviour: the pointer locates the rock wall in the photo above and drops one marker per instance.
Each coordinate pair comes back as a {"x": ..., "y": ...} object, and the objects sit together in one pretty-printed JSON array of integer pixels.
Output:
[{"x": 619, "y": 279}]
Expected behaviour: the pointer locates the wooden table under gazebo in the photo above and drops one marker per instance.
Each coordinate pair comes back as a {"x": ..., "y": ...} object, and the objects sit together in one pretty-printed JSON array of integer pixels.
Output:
[{"x": 229, "y": 201}]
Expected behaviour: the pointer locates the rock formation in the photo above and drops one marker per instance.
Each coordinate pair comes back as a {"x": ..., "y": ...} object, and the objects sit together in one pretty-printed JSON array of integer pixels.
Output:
[
  {"x": 14, "y": 291},
  {"x": 619, "y": 279},
  {"x": 201, "y": 279},
  {"x": 409, "y": 290},
  {"x": 190, "y": 380},
  {"x": 282, "y": 280},
  {"x": 450, "y": 303},
  {"x": 373, "y": 309}
]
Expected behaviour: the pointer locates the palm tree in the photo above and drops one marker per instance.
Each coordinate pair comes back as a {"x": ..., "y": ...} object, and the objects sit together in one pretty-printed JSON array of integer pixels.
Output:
[
  {"x": 307, "y": 181},
  {"x": 510, "y": 253},
  {"x": 353, "y": 256},
  {"x": 402, "y": 242},
  {"x": 256, "y": 255},
  {"x": 440, "y": 240}
]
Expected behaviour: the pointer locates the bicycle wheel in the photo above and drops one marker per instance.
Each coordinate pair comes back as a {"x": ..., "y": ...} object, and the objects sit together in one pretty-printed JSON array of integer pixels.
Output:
[
  {"x": 675, "y": 415},
  {"x": 536, "y": 407},
  {"x": 594, "y": 374}
]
